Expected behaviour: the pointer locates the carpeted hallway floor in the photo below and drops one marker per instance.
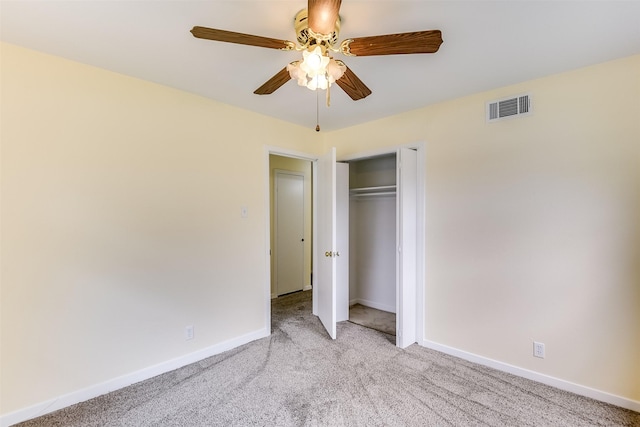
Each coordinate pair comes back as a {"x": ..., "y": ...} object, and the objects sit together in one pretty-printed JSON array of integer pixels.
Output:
[{"x": 300, "y": 377}]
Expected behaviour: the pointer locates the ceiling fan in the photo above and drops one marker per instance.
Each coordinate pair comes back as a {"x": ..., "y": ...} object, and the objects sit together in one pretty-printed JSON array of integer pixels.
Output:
[{"x": 317, "y": 29}]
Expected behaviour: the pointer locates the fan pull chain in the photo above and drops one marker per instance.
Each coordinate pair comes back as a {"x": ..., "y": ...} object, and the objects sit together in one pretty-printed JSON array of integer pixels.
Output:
[
  {"x": 317, "y": 113},
  {"x": 328, "y": 92}
]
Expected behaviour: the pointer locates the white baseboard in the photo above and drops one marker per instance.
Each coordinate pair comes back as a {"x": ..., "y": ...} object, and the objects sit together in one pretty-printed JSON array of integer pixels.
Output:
[
  {"x": 126, "y": 380},
  {"x": 373, "y": 304},
  {"x": 602, "y": 396},
  {"x": 305, "y": 288}
]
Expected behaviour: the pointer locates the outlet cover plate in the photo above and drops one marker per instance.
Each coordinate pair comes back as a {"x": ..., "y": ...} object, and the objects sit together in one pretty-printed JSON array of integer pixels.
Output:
[{"x": 538, "y": 349}]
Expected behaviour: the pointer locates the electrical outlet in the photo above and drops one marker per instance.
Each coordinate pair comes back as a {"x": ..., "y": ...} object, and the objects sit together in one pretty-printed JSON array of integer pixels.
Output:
[
  {"x": 188, "y": 332},
  {"x": 538, "y": 349}
]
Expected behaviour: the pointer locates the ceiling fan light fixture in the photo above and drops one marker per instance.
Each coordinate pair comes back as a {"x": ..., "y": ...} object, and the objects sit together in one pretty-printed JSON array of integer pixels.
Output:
[{"x": 316, "y": 70}]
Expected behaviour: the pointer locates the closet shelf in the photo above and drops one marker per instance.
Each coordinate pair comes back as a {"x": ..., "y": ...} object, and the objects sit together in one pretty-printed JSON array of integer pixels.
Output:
[{"x": 383, "y": 190}]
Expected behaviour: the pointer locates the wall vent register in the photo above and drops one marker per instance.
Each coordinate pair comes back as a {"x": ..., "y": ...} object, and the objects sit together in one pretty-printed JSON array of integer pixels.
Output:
[{"x": 514, "y": 106}]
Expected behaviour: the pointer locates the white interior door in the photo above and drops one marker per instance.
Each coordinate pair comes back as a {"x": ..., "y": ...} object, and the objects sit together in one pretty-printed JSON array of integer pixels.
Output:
[
  {"x": 342, "y": 241},
  {"x": 325, "y": 289},
  {"x": 289, "y": 231},
  {"x": 406, "y": 265}
]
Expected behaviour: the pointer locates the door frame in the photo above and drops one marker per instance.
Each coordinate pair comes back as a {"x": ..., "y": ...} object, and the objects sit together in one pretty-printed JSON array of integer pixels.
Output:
[
  {"x": 276, "y": 173},
  {"x": 301, "y": 155},
  {"x": 420, "y": 147}
]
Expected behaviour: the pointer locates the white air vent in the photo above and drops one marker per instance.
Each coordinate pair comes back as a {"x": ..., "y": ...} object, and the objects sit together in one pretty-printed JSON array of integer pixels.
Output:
[{"x": 508, "y": 107}]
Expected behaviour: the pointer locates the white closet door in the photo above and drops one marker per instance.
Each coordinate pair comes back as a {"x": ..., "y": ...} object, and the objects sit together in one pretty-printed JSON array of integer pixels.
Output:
[
  {"x": 407, "y": 246},
  {"x": 326, "y": 242},
  {"x": 342, "y": 241}
]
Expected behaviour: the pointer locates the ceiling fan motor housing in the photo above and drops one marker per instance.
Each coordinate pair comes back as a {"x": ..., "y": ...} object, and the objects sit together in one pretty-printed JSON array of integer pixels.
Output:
[{"x": 301, "y": 25}]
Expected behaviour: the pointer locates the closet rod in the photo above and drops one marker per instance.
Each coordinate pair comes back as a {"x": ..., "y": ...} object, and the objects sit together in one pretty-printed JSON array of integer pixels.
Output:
[
  {"x": 380, "y": 193},
  {"x": 379, "y": 188}
]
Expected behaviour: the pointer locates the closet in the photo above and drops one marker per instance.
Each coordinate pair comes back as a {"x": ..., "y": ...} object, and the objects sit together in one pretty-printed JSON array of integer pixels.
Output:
[
  {"x": 372, "y": 232},
  {"x": 368, "y": 211}
]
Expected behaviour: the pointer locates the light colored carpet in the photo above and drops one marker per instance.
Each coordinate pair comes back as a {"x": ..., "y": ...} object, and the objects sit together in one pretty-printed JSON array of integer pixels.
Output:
[
  {"x": 379, "y": 320},
  {"x": 300, "y": 377}
]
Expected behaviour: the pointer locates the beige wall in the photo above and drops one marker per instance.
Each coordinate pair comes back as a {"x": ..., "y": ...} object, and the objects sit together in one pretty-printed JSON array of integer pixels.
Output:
[
  {"x": 304, "y": 167},
  {"x": 533, "y": 224},
  {"x": 121, "y": 224}
]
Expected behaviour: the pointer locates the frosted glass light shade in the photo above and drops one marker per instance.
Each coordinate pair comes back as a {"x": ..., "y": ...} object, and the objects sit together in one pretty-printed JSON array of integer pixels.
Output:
[
  {"x": 335, "y": 70},
  {"x": 316, "y": 70},
  {"x": 314, "y": 62},
  {"x": 296, "y": 73}
]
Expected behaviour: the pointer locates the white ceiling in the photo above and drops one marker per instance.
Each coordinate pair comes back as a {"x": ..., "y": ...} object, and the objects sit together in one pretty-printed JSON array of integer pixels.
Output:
[{"x": 487, "y": 44}]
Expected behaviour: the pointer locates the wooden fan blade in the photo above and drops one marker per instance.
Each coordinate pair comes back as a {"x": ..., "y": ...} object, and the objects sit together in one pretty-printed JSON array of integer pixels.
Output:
[
  {"x": 239, "y": 38},
  {"x": 322, "y": 15},
  {"x": 274, "y": 83},
  {"x": 353, "y": 86},
  {"x": 397, "y": 44}
]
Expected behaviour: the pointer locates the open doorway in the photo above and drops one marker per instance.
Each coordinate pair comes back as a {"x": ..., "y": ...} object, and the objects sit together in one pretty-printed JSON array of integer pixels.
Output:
[
  {"x": 291, "y": 224},
  {"x": 386, "y": 199},
  {"x": 372, "y": 242}
]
